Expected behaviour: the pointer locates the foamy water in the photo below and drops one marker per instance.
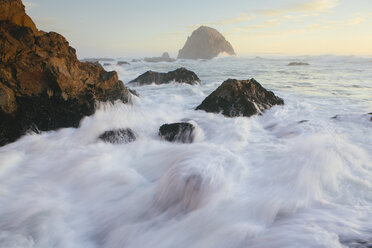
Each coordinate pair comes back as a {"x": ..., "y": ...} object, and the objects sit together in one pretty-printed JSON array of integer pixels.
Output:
[{"x": 264, "y": 181}]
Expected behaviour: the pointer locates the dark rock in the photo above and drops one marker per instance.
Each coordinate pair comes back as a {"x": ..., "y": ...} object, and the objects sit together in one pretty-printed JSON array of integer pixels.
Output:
[
  {"x": 297, "y": 64},
  {"x": 123, "y": 63},
  {"x": 181, "y": 75},
  {"x": 134, "y": 92},
  {"x": 177, "y": 132},
  {"x": 164, "y": 58},
  {"x": 239, "y": 98},
  {"x": 303, "y": 121},
  {"x": 118, "y": 136},
  {"x": 205, "y": 43},
  {"x": 42, "y": 83}
]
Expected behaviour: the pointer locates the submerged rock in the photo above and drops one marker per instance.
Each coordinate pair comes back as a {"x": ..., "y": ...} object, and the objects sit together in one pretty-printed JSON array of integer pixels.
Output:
[
  {"x": 42, "y": 83},
  {"x": 298, "y": 64},
  {"x": 123, "y": 63},
  {"x": 134, "y": 92},
  {"x": 181, "y": 75},
  {"x": 118, "y": 136},
  {"x": 164, "y": 58},
  {"x": 205, "y": 43},
  {"x": 239, "y": 98},
  {"x": 178, "y": 132},
  {"x": 302, "y": 121}
]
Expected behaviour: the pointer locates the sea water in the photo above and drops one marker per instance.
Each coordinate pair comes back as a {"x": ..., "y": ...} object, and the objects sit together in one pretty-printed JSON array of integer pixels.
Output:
[{"x": 292, "y": 177}]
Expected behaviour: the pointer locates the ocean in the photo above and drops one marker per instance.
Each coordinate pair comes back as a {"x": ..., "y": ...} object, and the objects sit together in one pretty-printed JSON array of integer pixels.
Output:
[{"x": 299, "y": 175}]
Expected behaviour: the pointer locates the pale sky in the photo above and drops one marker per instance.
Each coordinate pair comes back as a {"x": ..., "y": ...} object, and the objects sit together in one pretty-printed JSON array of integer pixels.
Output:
[{"x": 121, "y": 28}]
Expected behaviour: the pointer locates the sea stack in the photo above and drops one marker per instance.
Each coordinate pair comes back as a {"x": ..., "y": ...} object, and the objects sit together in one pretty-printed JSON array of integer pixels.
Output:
[
  {"x": 205, "y": 43},
  {"x": 43, "y": 86}
]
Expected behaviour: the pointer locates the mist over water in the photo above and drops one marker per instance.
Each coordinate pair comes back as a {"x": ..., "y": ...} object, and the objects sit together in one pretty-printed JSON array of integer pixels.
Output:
[{"x": 273, "y": 180}]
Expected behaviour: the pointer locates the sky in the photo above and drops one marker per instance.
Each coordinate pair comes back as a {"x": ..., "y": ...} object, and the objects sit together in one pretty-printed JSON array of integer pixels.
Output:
[{"x": 119, "y": 28}]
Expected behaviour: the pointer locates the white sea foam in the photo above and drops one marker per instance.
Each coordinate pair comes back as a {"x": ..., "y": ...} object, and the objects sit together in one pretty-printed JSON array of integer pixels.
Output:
[{"x": 274, "y": 180}]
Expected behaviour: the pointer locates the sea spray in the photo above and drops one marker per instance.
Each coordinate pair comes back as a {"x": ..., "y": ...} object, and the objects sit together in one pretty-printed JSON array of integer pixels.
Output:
[{"x": 292, "y": 177}]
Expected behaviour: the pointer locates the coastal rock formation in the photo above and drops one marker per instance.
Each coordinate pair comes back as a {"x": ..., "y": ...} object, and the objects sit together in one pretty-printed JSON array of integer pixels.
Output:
[
  {"x": 43, "y": 86},
  {"x": 298, "y": 64},
  {"x": 181, "y": 75},
  {"x": 178, "y": 132},
  {"x": 205, "y": 43},
  {"x": 14, "y": 11},
  {"x": 164, "y": 58},
  {"x": 118, "y": 136},
  {"x": 239, "y": 98}
]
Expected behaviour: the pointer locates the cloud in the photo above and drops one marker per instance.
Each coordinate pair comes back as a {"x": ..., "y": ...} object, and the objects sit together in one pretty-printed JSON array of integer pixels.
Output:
[{"x": 311, "y": 6}]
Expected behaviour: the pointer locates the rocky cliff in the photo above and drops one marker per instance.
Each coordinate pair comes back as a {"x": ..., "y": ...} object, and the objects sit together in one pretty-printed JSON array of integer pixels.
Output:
[
  {"x": 43, "y": 86},
  {"x": 205, "y": 43}
]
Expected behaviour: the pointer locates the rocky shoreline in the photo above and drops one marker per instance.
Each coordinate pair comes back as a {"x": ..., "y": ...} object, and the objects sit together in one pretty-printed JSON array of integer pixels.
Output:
[{"x": 43, "y": 86}]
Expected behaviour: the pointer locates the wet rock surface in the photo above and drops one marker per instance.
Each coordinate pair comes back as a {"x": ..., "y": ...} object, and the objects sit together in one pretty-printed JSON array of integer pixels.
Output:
[
  {"x": 205, "y": 43},
  {"x": 178, "y": 132},
  {"x": 181, "y": 75},
  {"x": 42, "y": 83},
  {"x": 118, "y": 136},
  {"x": 239, "y": 98}
]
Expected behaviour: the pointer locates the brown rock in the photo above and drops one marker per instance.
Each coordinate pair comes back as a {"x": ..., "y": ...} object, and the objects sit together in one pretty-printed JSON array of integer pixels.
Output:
[
  {"x": 43, "y": 85},
  {"x": 239, "y": 98},
  {"x": 14, "y": 11}
]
